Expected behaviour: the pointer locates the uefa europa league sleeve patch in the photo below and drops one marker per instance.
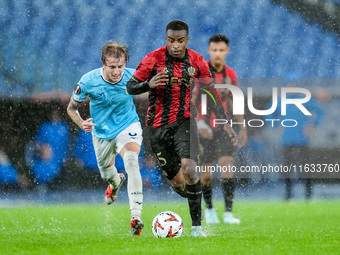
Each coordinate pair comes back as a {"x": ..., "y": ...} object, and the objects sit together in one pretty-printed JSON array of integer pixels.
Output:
[{"x": 77, "y": 90}]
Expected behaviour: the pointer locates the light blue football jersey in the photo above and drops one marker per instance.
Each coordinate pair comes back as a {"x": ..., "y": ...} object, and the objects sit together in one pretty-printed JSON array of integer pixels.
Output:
[{"x": 111, "y": 107}]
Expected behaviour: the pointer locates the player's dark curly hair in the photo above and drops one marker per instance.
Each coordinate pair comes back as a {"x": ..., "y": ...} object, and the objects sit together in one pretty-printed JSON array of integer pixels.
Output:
[
  {"x": 116, "y": 50},
  {"x": 219, "y": 38},
  {"x": 177, "y": 25}
]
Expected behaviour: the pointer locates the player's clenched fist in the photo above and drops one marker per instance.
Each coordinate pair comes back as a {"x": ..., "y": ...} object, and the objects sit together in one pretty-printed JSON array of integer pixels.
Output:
[
  {"x": 87, "y": 125},
  {"x": 159, "y": 79}
]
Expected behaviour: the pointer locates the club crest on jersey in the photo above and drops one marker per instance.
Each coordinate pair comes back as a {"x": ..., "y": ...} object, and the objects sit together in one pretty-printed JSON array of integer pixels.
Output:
[
  {"x": 77, "y": 90},
  {"x": 165, "y": 69},
  {"x": 191, "y": 71}
]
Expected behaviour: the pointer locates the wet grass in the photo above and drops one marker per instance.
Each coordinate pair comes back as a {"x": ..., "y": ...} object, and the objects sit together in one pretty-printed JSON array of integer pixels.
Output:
[{"x": 266, "y": 228}]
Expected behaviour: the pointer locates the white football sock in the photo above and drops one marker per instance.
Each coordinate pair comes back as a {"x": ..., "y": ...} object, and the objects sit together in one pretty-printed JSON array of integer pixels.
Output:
[
  {"x": 134, "y": 185},
  {"x": 110, "y": 175}
]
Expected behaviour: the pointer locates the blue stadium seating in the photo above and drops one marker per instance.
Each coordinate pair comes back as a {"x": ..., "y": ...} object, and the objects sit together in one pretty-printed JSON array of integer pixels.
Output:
[{"x": 49, "y": 44}]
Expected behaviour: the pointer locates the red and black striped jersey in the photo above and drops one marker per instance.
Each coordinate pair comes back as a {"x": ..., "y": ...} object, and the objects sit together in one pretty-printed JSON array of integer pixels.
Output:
[
  {"x": 227, "y": 76},
  {"x": 171, "y": 103}
]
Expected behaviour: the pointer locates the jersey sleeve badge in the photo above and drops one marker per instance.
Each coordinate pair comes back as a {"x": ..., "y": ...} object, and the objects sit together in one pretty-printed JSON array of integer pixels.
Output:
[
  {"x": 77, "y": 90},
  {"x": 76, "y": 93}
]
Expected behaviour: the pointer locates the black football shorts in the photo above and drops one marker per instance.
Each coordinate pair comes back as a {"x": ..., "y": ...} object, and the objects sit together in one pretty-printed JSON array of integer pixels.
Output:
[
  {"x": 173, "y": 142},
  {"x": 213, "y": 149}
]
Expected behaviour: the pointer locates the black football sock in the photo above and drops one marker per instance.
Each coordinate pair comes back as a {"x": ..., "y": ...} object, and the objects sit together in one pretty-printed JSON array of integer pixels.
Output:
[
  {"x": 194, "y": 193},
  {"x": 309, "y": 186},
  {"x": 207, "y": 195},
  {"x": 288, "y": 184},
  {"x": 228, "y": 186}
]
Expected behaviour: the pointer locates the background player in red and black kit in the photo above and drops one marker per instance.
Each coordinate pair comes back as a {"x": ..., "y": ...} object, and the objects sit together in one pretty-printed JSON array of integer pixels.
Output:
[
  {"x": 167, "y": 73},
  {"x": 215, "y": 144}
]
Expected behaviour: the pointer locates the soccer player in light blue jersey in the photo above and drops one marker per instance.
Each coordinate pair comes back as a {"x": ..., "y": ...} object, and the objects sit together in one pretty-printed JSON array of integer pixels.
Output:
[{"x": 114, "y": 124}]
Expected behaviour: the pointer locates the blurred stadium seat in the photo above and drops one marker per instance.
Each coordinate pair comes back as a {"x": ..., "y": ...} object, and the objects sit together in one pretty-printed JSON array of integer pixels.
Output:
[{"x": 49, "y": 44}]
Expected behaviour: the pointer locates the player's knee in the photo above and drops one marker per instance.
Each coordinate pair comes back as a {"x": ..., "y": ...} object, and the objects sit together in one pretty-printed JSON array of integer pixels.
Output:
[
  {"x": 206, "y": 178},
  {"x": 188, "y": 166},
  {"x": 105, "y": 165}
]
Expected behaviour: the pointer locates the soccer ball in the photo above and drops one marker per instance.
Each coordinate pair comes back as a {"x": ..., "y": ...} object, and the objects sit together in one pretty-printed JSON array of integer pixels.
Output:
[{"x": 167, "y": 224}]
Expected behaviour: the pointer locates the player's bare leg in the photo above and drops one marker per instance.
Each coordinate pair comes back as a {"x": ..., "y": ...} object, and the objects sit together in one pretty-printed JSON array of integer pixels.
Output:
[{"x": 178, "y": 184}]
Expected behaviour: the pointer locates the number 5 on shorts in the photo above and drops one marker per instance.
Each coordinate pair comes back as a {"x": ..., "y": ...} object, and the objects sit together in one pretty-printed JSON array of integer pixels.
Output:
[{"x": 161, "y": 161}]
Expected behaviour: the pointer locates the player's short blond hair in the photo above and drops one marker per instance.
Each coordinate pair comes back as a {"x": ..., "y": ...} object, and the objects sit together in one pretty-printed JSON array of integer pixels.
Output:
[{"x": 114, "y": 49}]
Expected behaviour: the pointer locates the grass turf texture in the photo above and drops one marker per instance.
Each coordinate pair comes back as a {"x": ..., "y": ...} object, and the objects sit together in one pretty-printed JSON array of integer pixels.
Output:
[{"x": 266, "y": 228}]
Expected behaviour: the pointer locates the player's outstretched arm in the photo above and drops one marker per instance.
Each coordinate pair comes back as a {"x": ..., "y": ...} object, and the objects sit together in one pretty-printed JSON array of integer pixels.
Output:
[
  {"x": 72, "y": 111},
  {"x": 136, "y": 86},
  {"x": 240, "y": 119}
]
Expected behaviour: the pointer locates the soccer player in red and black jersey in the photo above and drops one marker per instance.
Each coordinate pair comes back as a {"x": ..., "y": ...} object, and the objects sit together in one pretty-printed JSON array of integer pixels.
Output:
[
  {"x": 216, "y": 145},
  {"x": 167, "y": 74}
]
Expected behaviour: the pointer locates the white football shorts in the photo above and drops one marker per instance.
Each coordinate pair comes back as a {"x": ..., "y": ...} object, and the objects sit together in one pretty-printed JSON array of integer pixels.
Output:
[{"x": 106, "y": 149}]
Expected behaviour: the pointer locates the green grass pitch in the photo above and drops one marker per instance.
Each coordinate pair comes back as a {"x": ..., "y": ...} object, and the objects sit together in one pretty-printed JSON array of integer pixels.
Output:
[{"x": 266, "y": 228}]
